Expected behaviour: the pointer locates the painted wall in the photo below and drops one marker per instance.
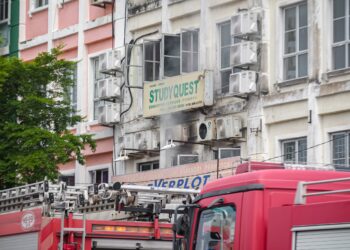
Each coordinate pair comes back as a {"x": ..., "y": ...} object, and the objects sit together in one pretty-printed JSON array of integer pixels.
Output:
[{"x": 84, "y": 31}]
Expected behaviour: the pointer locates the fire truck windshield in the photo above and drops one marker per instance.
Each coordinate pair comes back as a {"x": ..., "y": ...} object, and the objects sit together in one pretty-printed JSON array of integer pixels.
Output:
[{"x": 216, "y": 228}]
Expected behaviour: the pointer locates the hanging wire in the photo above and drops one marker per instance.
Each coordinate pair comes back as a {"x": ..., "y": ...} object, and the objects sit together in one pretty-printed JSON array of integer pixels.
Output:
[{"x": 306, "y": 149}]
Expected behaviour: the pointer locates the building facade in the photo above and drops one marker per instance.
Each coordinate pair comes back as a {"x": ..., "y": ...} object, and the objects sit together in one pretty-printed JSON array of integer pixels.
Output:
[
  {"x": 186, "y": 89},
  {"x": 288, "y": 99},
  {"x": 85, "y": 31}
]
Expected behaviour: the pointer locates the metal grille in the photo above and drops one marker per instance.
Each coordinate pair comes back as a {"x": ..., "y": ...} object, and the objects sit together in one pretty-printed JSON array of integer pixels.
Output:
[
  {"x": 323, "y": 239},
  {"x": 28, "y": 241}
]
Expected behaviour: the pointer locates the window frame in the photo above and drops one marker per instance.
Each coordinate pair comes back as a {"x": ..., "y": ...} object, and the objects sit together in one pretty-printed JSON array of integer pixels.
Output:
[
  {"x": 7, "y": 19},
  {"x": 152, "y": 163},
  {"x": 227, "y": 69},
  {"x": 296, "y": 151},
  {"x": 154, "y": 62},
  {"x": 191, "y": 51},
  {"x": 34, "y": 7},
  {"x": 162, "y": 54},
  {"x": 93, "y": 175},
  {"x": 37, "y": 5},
  {"x": 345, "y": 42},
  {"x": 346, "y": 134},
  {"x": 297, "y": 52},
  {"x": 68, "y": 179}
]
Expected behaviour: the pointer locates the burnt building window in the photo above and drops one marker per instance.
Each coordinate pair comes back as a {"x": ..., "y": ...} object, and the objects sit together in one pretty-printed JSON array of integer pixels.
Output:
[{"x": 151, "y": 50}]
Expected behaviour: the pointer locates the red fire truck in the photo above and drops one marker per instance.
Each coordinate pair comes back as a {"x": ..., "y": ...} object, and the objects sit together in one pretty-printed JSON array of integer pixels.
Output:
[
  {"x": 47, "y": 216},
  {"x": 269, "y": 210}
]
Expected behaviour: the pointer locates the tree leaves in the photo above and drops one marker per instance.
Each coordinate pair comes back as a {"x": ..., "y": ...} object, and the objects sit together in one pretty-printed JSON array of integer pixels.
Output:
[{"x": 34, "y": 116}]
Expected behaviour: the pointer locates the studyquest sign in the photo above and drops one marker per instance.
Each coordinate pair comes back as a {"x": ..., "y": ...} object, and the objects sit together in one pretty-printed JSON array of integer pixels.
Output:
[{"x": 174, "y": 94}]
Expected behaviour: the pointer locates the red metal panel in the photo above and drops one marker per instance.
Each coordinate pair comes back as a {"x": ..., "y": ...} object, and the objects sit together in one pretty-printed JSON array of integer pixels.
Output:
[
  {"x": 253, "y": 228},
  {"x": 20, "y": 222},
  {"x": 280, "y": 179}
]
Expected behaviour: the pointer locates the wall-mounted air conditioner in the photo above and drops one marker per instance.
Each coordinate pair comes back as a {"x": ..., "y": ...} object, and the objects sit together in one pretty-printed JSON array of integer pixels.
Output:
[
  {"x": 109, "y": 88},
  {"x": 228, "y": 127},
  {"x": 126, "y": 141},
  {"x": 243, "y": 83},
  {"x": 154, "y": 141},
  {"x": 228, "y": 152},
  {"x": 186, "y": 159},
  {"x": 243, "y": 54},
  {"x": 100, "y": 2},
  {"x": 109, "y": 114},
  {"x": 177, "y": 132},
  {"x": 206, "y": 130},
  {"x": 140, "y": 141},
  {"x": 244, "y": 23},
  {"x": 111, "y": 62}
]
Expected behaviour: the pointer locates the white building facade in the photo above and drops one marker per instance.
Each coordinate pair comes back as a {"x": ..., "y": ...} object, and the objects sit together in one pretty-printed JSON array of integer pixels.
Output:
[{"x": 275, "y": 83}]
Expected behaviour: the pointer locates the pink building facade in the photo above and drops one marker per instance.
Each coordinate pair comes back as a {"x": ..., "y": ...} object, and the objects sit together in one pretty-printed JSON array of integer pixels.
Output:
[{"x": 85, "y": 31}]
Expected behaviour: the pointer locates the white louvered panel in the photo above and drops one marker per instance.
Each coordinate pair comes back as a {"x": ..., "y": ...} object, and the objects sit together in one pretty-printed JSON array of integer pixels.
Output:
[
  {"x": 28, "y": 241},
  {"x": 329, "y": 239}
]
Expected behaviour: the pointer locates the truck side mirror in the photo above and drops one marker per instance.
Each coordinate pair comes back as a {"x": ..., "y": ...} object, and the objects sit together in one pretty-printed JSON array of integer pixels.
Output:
[{"x": 182, "y": 225}]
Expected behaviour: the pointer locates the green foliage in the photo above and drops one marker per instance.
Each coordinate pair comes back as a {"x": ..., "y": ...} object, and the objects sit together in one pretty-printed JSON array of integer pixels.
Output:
[{"x": 34, "y": 116}]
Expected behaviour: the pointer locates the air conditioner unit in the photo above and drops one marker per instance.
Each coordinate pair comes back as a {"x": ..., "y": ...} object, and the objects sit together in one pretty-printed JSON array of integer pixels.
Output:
[
  {"x": 100, "y": 2},
  {"x": 108, "y": 88},
  {"x": 244, "y": 23},
  {"x": 206, "y": 130},
  {"x": 111, "y": 61},
  {"x": 126, "y": 141},
  {"x": 140, "y": 141},
  {"x": 154, "y": 141},
  {"x": 187, "y": 159},
  {"x": 178, "y": 132},
  {"x": 243, "y": 82},
  {"x": 109, "y": 114},
  {"x": 228, "y": 127},
  {"x": 243, "y": 54},
  {"x": 228, "y": 152}
]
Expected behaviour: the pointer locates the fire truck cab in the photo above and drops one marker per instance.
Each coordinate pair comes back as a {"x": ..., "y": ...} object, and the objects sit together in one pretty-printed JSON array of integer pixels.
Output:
[{"x": 270, "y": 210}]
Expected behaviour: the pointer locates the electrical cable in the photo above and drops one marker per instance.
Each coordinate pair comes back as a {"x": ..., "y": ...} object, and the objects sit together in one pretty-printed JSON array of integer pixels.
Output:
[
  {"x": 302, "y": 150},
  {"x": 132, "y": 42}
]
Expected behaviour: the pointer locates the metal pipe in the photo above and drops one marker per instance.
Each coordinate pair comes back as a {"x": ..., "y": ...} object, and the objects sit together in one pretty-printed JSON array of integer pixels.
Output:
[
  {"x": 141, "y": 150},
  {"x": 151, "y": 189}
]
